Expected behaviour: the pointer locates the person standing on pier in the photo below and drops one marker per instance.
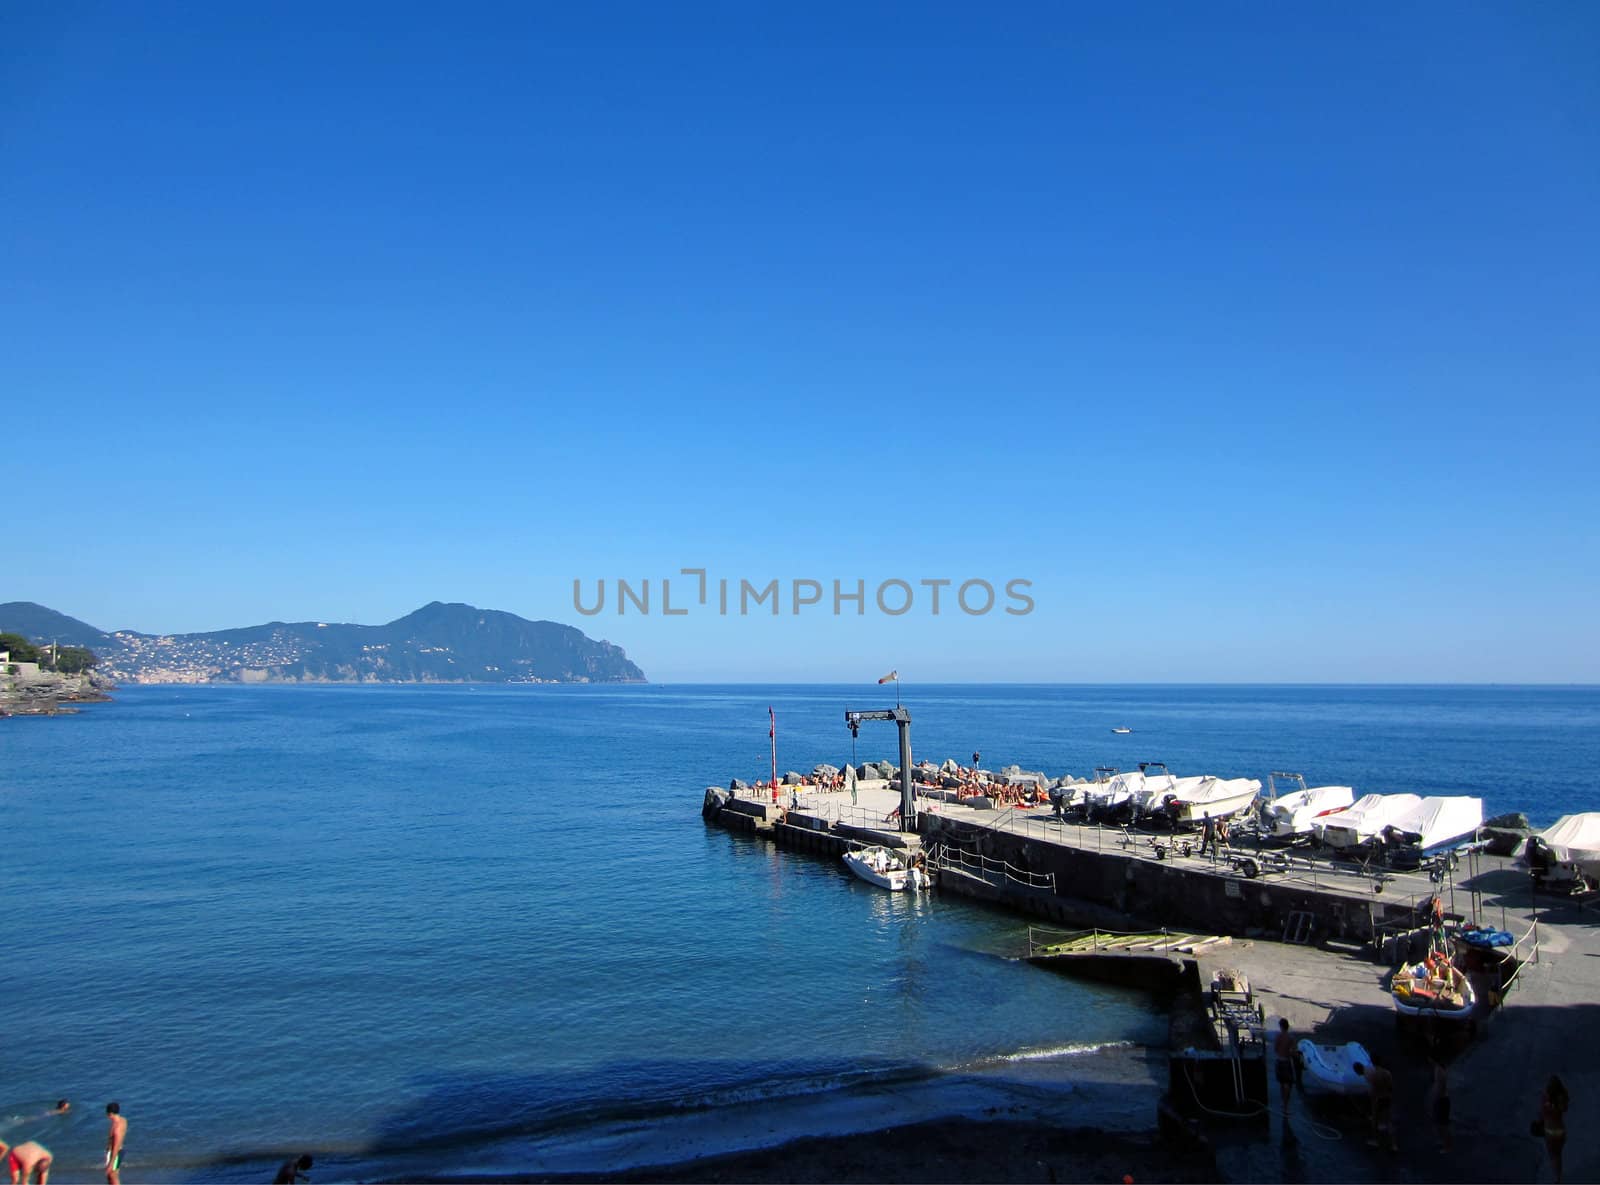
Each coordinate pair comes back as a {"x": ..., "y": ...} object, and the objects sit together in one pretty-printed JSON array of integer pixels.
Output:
[
  {"x": 1553, "y": 1121},
  {"x": 1380, "y": 1089},
  {"x": 1208, "y": 836},
  {"x": 1283, "y": 1046}
]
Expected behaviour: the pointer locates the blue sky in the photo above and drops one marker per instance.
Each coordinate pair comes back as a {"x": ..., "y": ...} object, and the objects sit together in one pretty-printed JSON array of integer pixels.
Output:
[{"x": 1261, "y": 340}]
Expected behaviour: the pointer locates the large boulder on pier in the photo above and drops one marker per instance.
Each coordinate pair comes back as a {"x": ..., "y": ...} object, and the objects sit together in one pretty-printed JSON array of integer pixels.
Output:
[
  {"x": 1506, "y": 834},
  {"x": 824, "y": 770},
  {"x": 792, "y": 778},
  {"x": 949, "y": 766},
  {"x": 715, "y": 800},
  {"x": 736, "y": 784}
]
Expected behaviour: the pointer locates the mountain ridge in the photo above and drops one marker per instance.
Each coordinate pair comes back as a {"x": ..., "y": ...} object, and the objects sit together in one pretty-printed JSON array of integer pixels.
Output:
[{"x": 437, "y": 643}]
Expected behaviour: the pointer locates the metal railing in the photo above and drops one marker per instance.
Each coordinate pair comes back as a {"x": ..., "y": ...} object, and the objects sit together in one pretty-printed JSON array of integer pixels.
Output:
[
  {"x": 1516, "y": 953},
  {"x": 987, "y": 868}
]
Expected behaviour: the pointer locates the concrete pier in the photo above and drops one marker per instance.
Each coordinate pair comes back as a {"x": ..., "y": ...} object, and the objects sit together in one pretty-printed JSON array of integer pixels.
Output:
[
  {"x": 1331, "y": 983},
  {"x": 1089, "y": 875}
]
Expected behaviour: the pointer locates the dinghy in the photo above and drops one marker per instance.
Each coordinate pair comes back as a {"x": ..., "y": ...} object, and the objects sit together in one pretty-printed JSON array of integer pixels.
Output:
[{"x": 1328, "y": 1069}]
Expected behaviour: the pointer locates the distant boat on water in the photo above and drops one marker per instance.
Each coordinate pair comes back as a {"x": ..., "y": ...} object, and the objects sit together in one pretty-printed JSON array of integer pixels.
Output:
[{"x": 1120, "y": 731}]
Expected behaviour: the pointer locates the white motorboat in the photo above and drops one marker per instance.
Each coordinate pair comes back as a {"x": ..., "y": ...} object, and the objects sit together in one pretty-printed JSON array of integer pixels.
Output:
[
  {"x": 1288, "y": 816},
  {"x": 1437, "y": 989},
  {"x": 1570, "y": 849},
  {"x": 1122, "y": 731},
  {"x": 1154, "y": 783},
  {"x": 887, "y": 868},
  {"x": 1211, "y": 797},
  {"x": 1110, "y": 789},
  {"x": 1439, "y": 821},
  {"x": 1330, "y": 1069},
  {"x": 1363, "y": 819}
]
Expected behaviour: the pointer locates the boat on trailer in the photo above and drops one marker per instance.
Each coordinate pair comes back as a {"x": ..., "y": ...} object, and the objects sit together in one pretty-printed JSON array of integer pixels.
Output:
[
  {"x": 1364, "y": 819},
  {"x": 1210, "y": 797},
  {"x": 1436, "y": 823},
  {"x": 1569, "y": 851},
  {"x": 1291, "y": 816},
  {"x": 887, "y": 868}
]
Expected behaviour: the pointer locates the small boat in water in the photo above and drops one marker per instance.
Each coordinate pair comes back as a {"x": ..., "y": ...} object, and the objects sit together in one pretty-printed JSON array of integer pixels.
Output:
[
  {"x": 888, "y": 868},
  {"x": 1122, "y": 731},
  {"x": 1330, "y": 1069}
]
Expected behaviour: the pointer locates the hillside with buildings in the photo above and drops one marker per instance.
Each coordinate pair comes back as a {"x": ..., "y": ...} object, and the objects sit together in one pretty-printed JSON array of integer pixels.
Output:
[{"x": 439, "y": 643}]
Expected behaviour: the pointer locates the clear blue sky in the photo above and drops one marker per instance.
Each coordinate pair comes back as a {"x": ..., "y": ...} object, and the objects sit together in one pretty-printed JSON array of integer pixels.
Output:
[{"x": 1261, "y": 338}]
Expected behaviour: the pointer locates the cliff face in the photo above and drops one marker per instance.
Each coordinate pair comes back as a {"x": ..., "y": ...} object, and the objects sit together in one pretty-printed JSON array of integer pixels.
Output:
[{"x": 439, "y": 643}]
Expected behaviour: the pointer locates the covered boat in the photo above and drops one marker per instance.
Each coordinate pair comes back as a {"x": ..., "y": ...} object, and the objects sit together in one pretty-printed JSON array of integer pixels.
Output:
[
  {"x": 1568, "y": 850},
  {"x": 888, "y": 868},
  {"x": 1362, "y": 820},
  {"x": 1216, "y": 798},
  {"x": 1329, "y": 1069},
  {"x": 1433, "y": 988},
  {"x": 1438, "y": 822},
  {"x": 1292, "y": 815}
]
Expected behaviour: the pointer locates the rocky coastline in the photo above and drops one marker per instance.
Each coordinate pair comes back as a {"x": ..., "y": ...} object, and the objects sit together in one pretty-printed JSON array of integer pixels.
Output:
[{"x": 50, "y": 693}]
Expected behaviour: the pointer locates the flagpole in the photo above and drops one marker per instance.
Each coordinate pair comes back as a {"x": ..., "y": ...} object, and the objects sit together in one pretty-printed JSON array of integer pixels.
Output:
[{"x": 772, "y": 734}]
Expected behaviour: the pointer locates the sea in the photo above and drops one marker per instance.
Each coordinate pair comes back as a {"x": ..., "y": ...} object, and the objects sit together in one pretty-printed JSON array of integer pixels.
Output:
[{"x": 424, "y": 930}]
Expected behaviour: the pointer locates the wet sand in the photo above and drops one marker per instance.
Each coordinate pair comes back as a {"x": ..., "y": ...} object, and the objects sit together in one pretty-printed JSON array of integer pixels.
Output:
[{"x": 991, "y": 1150}]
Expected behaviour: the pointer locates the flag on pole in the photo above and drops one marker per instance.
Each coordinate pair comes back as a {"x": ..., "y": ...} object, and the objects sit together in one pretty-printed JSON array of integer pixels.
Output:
[{"x": 891, "y": 677}]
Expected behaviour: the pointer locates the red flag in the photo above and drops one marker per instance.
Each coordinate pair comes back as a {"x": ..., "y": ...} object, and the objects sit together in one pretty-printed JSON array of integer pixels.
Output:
[{"x": 891, "y": 677}]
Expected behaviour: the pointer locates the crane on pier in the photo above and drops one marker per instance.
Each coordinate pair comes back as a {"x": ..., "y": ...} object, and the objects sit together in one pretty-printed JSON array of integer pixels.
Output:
[{"x": 902, "y": 718}]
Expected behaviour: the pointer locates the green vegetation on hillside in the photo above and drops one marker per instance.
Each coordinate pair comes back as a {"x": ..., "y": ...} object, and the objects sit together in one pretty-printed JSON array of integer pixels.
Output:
[{"x": 69, "y": 660}]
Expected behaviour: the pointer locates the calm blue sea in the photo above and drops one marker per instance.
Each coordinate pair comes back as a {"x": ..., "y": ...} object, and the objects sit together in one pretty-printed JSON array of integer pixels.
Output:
[{"x": 423, "y": 929}]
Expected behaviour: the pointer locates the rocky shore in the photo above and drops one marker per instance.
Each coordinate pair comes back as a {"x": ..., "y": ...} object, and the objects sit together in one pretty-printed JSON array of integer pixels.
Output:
[{"x": 50, "y": 693}]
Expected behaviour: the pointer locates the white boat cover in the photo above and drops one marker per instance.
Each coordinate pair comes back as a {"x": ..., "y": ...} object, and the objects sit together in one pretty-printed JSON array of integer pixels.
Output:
[
  {"x": 1117, "y": 790},
  {"x": 1329, "y": 1067},
  {"x": 1292, "y": 813},
  {"x": 1574, "y": 837},
  {"x": 1441, "y": 820},
  {"x": 1221, "y": 790},
  {"x": 1370, "y": 814}
]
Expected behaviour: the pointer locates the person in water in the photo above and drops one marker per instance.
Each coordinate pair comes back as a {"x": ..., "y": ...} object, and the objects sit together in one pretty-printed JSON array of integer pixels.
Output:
[
  {"x": 116, "y": 1138},
  {"x": 294, "y": 1169}
]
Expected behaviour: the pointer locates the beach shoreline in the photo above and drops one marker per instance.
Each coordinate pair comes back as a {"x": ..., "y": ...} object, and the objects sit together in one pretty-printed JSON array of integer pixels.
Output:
[{"x": 1000, "y": 1150}]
